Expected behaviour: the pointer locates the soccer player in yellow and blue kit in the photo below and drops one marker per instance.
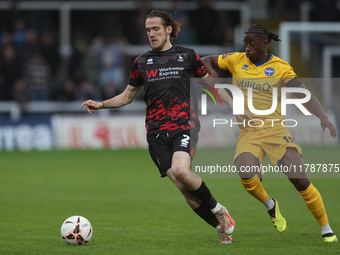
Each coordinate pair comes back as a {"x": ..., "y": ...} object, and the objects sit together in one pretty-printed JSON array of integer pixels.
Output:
[{"x": 262, "y": 72}]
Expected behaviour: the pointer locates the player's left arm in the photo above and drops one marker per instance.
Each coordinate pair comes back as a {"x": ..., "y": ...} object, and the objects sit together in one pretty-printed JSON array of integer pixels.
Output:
[{"x": 315, "y": 107}]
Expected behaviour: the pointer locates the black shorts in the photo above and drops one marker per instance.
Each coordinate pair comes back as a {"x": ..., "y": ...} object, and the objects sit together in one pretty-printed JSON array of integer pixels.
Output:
[{"x": 162, "y": 147}]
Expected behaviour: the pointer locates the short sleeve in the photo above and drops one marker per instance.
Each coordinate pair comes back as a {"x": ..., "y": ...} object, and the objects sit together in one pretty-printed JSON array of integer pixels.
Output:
[
  {"x": 290, "y": 77},
  {"x": 224, "y": 61},
  {"x": 135, "y": 78},
  {"x": 198, "y": 69}
]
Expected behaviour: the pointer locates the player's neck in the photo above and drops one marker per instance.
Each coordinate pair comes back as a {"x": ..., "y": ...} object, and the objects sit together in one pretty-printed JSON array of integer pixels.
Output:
[
  {"x": 263, "y": 59},
  {"x": 166, "y": 47}
]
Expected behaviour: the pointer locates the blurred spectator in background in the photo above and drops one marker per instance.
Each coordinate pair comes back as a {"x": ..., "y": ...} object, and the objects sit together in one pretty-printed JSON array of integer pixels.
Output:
[
  {"x": 187, "y": 34},
  {"x": 67, "y": 91},
  {"x": 36, "y": 75},
  {"x": 111, "y": 63},
  {"x": 19, "y": 32},
  {"x": 110, "y": 90},
  {"x": 83, "y": 63},
  {"x": 20, "y": 93},
  {"x": 6, "y": 39},
  {"x": 10, "y": 69},
  {"x": 5, "y": 87},
  {"x": 206, "y": 21},
  {"x": 136, "y": 23},
  {"x": 8, "y": 18},
  {"x": 75, "y": 65},
  {"x": 91, "y": 60},
  {"x": 87, "y": 90},
  {"x": 50, "y": 52},
  {"x": 29, "y": 47}
]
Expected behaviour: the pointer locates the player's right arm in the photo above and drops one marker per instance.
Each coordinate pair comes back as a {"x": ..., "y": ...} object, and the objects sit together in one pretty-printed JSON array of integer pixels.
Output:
[
  {"x": 210, "y": 63},
  {"x": 126, "y": 97}
]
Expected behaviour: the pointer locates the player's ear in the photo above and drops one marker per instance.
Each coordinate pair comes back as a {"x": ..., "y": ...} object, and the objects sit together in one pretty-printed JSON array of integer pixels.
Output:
[
  {"x": 265, "y": 43},
  {"x": 169, "y": 29}
]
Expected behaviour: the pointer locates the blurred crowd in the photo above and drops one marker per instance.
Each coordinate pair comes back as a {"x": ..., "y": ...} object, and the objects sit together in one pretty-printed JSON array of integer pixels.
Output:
[{"x": 31, "y": 67}]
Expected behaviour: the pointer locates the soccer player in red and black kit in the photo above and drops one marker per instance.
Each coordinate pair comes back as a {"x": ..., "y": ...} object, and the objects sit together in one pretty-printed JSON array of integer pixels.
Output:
[{"x": 165, "y": 73}]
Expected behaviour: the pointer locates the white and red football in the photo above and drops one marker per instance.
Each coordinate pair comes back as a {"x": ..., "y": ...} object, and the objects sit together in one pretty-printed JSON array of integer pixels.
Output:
[{"x": 76, "y": 230}]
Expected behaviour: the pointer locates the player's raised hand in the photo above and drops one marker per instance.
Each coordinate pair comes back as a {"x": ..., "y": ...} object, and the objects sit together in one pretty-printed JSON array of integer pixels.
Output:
[
  {"x": 92, "y": 106},
  {"x": 325, "y": 123}
]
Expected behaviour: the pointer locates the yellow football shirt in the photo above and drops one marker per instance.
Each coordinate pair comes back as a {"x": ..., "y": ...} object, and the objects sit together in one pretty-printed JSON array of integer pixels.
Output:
[{"x": 260, "y": 79}]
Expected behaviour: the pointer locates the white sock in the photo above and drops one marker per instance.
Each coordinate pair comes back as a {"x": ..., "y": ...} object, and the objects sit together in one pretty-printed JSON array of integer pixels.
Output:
[
  {"x": 217, "y": 208},
  {"x": 269, "y": 204},
  {"x": 326, "y": 229}
]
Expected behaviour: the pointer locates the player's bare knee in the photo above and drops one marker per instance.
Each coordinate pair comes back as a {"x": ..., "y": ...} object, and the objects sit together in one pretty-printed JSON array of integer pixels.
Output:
[{"x": 180, "y": 173}]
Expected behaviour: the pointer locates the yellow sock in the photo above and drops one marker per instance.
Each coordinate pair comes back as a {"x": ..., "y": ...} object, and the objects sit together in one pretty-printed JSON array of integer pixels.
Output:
[
  {"x": 315, "y": 204},
  {"x": 255, "y": 188}
]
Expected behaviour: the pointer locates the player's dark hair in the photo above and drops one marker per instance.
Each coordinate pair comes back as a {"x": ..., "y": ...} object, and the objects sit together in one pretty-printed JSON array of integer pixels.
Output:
[
  {"x": 168, "y": 20},
  {"x": 262, "y": 31}
]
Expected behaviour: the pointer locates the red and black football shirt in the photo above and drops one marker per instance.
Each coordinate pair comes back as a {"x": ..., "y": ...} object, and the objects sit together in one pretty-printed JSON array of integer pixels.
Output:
[{"x": 166, "y": 79}]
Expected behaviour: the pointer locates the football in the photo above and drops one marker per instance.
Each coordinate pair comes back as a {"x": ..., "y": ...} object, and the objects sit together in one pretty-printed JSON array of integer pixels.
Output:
[{"x": 76, "y": 230}]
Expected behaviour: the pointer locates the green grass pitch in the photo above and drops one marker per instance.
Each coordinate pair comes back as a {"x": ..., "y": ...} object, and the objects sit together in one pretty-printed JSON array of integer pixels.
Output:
[{"x": 134, "y": 211}]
